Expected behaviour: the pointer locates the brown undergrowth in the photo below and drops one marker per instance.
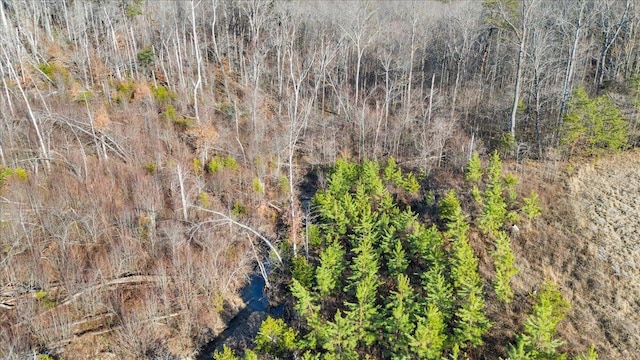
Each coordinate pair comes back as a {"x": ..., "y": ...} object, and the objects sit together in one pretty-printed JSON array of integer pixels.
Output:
[
  {"x": 98, "y": 256},
  {"x": 587, "y": 242}
]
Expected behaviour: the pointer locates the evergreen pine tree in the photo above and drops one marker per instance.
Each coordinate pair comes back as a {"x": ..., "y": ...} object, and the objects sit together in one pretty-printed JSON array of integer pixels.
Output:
[
  {"x": 342, "y": 338},
  {"x": 504, "y": 262},
  {"x": 438, "y": 291},
  {"x": 470, "y": 320},
  {"x": 364, "y": 311},
  {"x": 250, "y": 355},
  {"x": 590, "y": 355},
  {"x": 364, "y": 220},
  {"x": 398, "y": 324},
  {"x": 429, "y": 338},
  {"x": 309, "y": 311},
  {"x": 364, "y": 264},
  {"x": 593, "y": 125},
  {"x": 449, "y": 209},
  {"x": 302, "y": 271},
  {"x": 410, "y": 184},
  {"x": 330, "y": 269},
  {"x": 477, "y": 195},
  {"x": 342, "y": 177},
  {"x": 331, "y": 211},
  {"x": 275, "y": 337},
  {"x": 304, "y": 300},
  {"x": 392, "y": 173},
  {"x": 225, "y": 354},
  {"x": 531, "y": 208},
  {"x": 474, "y": 169},
  {"x": 495, "y": 208},
  {"x": 398, "y": 262},
  {"x": 510, "y": 181},
  {"x": 538, "y": 338},
  {"x": 387, "y": 239},
  {"x": 370, "y": 179}
]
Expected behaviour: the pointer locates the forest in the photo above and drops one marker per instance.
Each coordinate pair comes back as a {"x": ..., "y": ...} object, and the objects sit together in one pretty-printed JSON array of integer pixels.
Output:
[{"x": 371, "y": 156}]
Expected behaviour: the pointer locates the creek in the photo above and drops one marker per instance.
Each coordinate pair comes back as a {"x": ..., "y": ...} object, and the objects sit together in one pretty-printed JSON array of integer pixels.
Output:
[{"x": 242, "y": 328}]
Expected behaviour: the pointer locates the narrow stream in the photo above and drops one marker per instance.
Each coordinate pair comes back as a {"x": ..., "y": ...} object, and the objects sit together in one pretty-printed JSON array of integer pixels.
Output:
[{"x": 245, "y": 325}]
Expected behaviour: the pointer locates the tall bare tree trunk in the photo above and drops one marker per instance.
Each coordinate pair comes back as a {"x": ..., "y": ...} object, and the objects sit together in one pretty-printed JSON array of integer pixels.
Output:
[
  {"x": 608, "y": 39},
  {"x": 183, "y": 196},
  {"x": 568, "y": 78},
  {"x": 44, "y": 154},
  {"x": 196, "y": 46},
  {"x": 518, "y": 80}
]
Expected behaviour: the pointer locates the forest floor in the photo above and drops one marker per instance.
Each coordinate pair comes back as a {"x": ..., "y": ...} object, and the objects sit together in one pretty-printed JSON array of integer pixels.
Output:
[{"x": 588, "y": 241}]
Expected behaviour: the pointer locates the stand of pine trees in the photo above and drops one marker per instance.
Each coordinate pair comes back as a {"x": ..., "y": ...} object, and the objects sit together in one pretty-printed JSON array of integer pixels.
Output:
[{"x": 379, "y": 284}]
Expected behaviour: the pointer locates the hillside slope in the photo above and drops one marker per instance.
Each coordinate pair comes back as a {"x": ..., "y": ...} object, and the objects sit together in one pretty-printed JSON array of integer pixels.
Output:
[
  {"x": 588, "y": 242},
  {"x": 604, "y": 198}
]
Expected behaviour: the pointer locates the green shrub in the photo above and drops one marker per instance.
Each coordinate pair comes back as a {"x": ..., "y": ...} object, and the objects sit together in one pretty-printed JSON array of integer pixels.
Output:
[
  {"x": 4, "y": 173},
  {"x": 218, "y": 163},
  {"x": 48, "y": 69},
  {"x": 258, "y": 186},
  {"x": 183, "y": 123},
  {"x": 238, "y": 210},
  {"x": 150, "y": 168},
  {"x": 283, "y": 183},
  {"x": 21, "y": 173},
  {"x": 125, "y": 90},
  {"x": 84, "y": 97},
  {"x": 197, "y": 166},
  {"x": 133, "y": 8},
  {"x": 204, "y": 200},
  {"x": 230, "y": 163},
  {"x": 43, "y": 297},
  {"x": 169, "y": 113},
  {"x": 227, "y": 110},
  {"x": 215, "y": 165},
  {"x": 146, "y": 56},
  {"x": 126, "y": 86},
  {"x": 161, "y": 94},
  {"x": 53, "y": 70}
]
